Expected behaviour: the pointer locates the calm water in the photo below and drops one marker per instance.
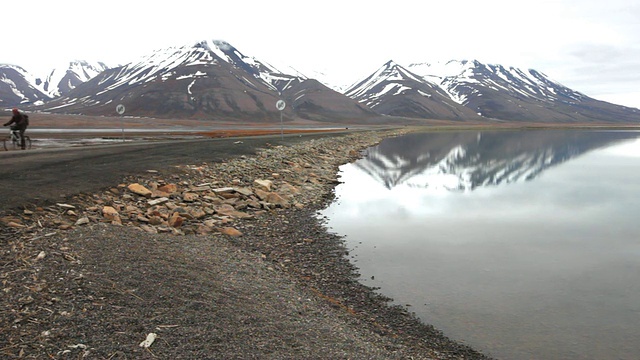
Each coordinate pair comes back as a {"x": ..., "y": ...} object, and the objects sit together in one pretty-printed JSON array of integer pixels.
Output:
[{"x": 524, "y": 245}]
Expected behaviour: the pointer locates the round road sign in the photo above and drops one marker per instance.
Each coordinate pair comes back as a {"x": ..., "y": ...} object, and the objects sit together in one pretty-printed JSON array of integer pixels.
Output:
[
  {"x": 120, "y": 109},
  {"x": 280, "y": 105}
]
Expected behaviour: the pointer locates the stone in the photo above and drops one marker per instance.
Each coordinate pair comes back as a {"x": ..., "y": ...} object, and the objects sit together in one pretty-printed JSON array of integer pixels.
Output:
[
  {"x": 203, "y": 230},
  {"x": 168, "y": 188},
  {"x": 197, "y": 213},
  {"x": 189, "y": 197},
  {"x": 261, "y": 194},
  {"x": 263, "y": 184},
  {"x": 274, "y": 198},
  {"x": 82, "y": 221},
  {"x": 243, "y": 191},
  {"x": 286, "y": 189},
  {"x": 200, "y": 188},
  {"x": 230, "y": 195},
  {"x": 139, "y": 190},
  {"x": 210, "y": 223},
  {"x": 223, "y": 190},
  {"x": 158, "y": 201},
  {"x": 110, "y": 213},
  {"x": 155, "y": 193},
  {"x": 66, "y": 206},
  {"x": 15, "y": 225},
  {"x": 149, "y": 229},
  {"x": 231, "y": 231},
  {"x": 175, "y": 221},
  {"x": 228, "y": 210}
]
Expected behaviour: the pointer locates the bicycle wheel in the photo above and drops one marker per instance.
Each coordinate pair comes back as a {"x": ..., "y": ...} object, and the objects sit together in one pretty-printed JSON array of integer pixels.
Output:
[
  {"x": 27, "y": 142},
  {"x": 10, "y": 143}
]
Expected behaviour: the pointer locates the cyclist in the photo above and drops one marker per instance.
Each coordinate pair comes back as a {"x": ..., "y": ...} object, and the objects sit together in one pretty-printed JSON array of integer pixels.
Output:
[{"x": 20, "y": 122}]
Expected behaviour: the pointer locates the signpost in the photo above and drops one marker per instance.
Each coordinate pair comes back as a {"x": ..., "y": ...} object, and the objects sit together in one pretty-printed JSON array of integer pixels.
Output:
[
  {"x": 280, "y": 105},
  {"x": 120, "y": 110}
]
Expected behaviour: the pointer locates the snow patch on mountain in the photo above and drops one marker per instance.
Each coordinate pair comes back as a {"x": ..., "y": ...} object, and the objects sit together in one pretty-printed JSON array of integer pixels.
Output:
[{"x": 65, "y": 78}]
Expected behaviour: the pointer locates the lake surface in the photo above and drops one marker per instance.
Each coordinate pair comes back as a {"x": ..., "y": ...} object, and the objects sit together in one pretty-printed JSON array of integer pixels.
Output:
[{"x": 523, "y": 245}]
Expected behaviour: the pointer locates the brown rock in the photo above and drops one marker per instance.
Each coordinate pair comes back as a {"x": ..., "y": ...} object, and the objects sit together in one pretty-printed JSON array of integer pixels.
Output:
[
  {"x": 149, "y": 229},
  {"x": 204, "y": 230},
  {"x": 13, "y": 224},
  {"x": 231, "y": 231},
  {"x": 287, "y": 189},
  {"x": 228, "y": 210},
  {"x": 274, "y": 198},
  {"x": 140, "y": 190},
  {"x": 175, "y": 220},
  {"x": 244, "y": 191},
  {"x": 168, "y": 188},
  {"x": 230, "y": 195},
  {"x": 155, "y": 193},
  {"x": 189, "y": 197},
  {"x": 261, "y": 194},
  {"x": 197, "y": 213},
  {"x": 110, "y": 213}
]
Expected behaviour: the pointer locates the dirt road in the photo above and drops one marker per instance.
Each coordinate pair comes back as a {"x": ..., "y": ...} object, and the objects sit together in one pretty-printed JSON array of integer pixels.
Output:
[{"x": 49, "y": 175}]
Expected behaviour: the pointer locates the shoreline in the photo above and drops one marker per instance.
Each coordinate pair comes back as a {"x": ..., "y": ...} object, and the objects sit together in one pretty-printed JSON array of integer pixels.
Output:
[{"x": 273, "y": 236}]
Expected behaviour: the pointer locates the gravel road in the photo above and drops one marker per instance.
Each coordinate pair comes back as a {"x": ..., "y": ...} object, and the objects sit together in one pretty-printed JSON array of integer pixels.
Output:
[{"x": 47, "y": 175}]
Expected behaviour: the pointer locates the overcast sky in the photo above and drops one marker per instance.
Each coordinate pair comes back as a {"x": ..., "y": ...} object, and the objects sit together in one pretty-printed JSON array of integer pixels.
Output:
[{"x": 592, "y": 46}]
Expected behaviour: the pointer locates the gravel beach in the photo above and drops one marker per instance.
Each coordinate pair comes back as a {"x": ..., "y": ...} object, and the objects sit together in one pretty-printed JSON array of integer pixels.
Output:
[{"x": 224, "y": 260}]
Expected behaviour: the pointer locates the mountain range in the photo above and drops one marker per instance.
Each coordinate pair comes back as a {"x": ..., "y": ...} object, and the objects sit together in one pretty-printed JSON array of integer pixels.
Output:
[{"x": 214, "y": 80}]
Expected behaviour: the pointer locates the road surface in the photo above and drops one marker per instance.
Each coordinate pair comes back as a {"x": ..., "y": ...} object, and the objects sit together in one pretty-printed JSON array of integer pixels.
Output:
[{"x": 44, "y": 176}]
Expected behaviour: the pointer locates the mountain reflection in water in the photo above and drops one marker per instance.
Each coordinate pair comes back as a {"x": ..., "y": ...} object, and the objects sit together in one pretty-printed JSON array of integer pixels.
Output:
[
  {"x": 543, "y": 266},
  {"x": 465, "y": 160}
]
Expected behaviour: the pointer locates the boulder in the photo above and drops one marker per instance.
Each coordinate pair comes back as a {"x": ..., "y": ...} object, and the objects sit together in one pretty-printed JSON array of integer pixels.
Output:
[{"x": 140, "y": 190}]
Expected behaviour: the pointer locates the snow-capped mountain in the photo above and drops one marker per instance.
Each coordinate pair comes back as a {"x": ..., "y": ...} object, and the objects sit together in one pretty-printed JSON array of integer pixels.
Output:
[
  {"x": 393, "y": 90},
  {"x": 209, "y": 79},
  {"x": 212, "y": 79},
  {"x": 509, "y": 93},
  {"x": 63, "y": 79},
  {"x": 468, "y": 160},
  {"x": 19, "y": 88}
]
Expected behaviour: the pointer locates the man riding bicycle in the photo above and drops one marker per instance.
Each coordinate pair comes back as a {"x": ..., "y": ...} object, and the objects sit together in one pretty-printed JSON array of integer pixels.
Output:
[{"x": 21, "y": 122}]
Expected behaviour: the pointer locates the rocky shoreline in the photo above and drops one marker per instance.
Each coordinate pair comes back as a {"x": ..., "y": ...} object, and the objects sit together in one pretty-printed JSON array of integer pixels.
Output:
[{"x": 68, "y": 269}]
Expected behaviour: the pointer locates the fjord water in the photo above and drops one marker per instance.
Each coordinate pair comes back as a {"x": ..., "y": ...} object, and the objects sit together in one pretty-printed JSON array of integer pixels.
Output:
[{"x": 523, "y": 245}]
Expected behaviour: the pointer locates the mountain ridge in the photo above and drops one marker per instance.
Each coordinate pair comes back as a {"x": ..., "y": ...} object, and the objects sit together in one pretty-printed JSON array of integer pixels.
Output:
[
  {"x": 213, "y": 79},
  {"x": 208, "y": 79}
]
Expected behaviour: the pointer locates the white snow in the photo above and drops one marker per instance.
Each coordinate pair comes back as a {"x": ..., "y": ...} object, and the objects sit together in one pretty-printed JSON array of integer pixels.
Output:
[{"x": 189, "y": 87}]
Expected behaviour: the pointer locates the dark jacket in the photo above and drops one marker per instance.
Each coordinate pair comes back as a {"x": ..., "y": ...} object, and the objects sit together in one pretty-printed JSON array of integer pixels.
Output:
[{"x": 20, "y": 120}]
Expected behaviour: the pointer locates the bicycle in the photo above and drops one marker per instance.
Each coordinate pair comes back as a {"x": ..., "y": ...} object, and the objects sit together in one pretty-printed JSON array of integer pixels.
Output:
[{"x": 12, "y": 142}]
